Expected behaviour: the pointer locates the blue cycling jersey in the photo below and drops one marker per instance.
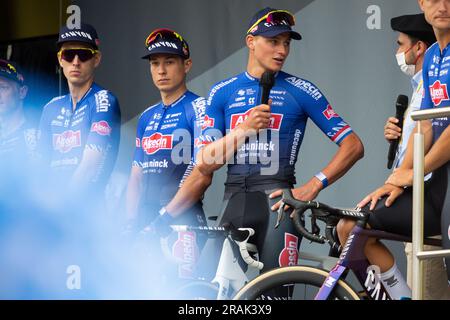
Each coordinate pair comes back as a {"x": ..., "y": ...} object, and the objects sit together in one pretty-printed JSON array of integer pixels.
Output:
[
  {"x": 164, "y": 145},
  {"x": 436, "y": 78},
  {"x": 65, "y": 133},
  {"x": 269, "y": 158}
]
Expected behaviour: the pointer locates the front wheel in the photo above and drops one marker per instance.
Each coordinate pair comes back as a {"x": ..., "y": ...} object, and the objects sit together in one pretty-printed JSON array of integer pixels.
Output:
[{"x": 304, "y": 283}]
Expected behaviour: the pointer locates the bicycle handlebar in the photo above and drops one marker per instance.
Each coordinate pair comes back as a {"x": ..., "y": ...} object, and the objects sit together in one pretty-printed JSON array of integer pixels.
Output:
[
  {"x": 239, "y": 235},
  {"x": 321, "y": 212}
]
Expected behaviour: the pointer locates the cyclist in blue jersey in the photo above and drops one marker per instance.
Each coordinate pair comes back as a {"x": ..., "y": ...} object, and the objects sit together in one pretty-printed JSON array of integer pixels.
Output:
[
  {"x": 261, "y": 142},
  {"x": 394, "y": 212},
  {"x": 163, "y": 157},
  {"x": 17, "y": 134},
  {"x": 80, "y": 131}
]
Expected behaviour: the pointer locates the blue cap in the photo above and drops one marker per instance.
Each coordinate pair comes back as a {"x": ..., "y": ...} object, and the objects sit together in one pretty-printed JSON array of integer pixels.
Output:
[
  {"x": 167, "y": 41},
  {"x": 86, "y": 33},
  {"x": 10, "y": 71},
  {"x": 270, "y": 22}
]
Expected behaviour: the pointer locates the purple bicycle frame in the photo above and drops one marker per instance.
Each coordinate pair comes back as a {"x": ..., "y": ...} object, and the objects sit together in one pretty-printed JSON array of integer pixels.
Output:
[{"x": 353, "y": 258}]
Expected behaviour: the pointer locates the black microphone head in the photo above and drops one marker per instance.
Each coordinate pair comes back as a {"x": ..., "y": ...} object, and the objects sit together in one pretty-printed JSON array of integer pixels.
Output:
[
  {"x": 267, "y": 79},
  {"x": 402, "y": 102}
]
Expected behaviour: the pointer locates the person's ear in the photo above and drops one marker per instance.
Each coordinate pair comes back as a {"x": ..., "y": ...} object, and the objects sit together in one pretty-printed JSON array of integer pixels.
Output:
[{"x": 23, "y": 90}]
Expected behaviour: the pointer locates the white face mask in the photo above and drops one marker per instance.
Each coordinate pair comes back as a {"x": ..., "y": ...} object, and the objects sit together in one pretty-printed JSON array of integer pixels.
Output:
[{"x": 408, "y": 69}]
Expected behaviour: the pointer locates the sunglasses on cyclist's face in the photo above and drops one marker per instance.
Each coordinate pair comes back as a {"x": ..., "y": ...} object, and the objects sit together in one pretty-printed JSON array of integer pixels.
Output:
[
  {"x": 84, "y": 54},
  {"x": 163, "y": 34},
  {"x": 275, "y": 17}
]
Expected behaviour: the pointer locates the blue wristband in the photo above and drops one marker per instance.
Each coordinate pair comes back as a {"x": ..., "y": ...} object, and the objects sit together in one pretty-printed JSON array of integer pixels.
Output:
[{"x": 323, "y": 179}]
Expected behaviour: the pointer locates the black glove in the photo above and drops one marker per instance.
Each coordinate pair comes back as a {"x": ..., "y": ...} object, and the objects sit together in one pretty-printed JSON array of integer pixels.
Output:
[{"x": 161, "y": 225}]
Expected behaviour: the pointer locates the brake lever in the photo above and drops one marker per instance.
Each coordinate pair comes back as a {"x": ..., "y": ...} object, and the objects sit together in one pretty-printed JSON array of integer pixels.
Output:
[
  {"x": 280, "y": 214},
  {"x": 314, "y": 227}
]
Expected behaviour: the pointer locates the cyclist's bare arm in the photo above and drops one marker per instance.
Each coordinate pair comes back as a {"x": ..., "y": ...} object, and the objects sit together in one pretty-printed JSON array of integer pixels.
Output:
[
  {"x": 134, "y": 192},
  {"x": 190, "y": 192},
  {"x": 350, "y": 150},
  {"x": 213, "y": 156},
  {"x": 87, "y": 170}
]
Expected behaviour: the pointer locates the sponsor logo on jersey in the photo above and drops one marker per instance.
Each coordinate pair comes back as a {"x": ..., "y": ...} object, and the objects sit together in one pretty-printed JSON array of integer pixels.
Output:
[
  {"x": 157, "y": 142},
  {"x": 289, "y": 255},
  {"x": 102, "y": 101},
  {"x": 295, "y": 143},
  {"x": 275, "y": 120},
  {"x": 57, "y": 123},
  {"x": 66, "y": 141},
  {"x": 218, "y": 87},
  {"x": 436, "y": 59},
  {"x": 241, "y": 92},
  {"x": 237, "y": 105},
  {"x": 305, "y": 86},
  {"x": 339, "y": 132},
  {"x": 102, "y": 128},
  {"x": 329, "y": 113},
  {"x": 438, "y": 92},
  {"x": 199, "y": 106},
  {"x": 207, "y": 122},
  {"x": 155, "y": 164},
  {"x": 186, "y": 252},
  {"x": 203, "y": 140}
]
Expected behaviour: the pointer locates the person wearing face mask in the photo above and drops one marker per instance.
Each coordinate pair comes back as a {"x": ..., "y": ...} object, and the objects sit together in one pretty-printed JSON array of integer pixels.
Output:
[
  {"x": 414, "y": 38},
  {"x": 415, "y": 35},
  {"x": 393, "y": 213}
]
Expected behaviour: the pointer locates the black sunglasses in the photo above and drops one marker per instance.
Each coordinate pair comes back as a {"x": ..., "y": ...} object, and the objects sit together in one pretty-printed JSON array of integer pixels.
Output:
[{"x": 84, "y": 54}]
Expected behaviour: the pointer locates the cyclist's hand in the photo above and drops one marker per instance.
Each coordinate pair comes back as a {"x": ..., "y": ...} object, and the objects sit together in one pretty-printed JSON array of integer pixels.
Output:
[
  {"x": 258, "y": 119},
  {"x": 391, "y": 130},
  {"x": 387, "y": 190},
  {"x": 307, "y": 192},
  {"x": 401, "y": 178},
  {"x": 161, "y": 225}
]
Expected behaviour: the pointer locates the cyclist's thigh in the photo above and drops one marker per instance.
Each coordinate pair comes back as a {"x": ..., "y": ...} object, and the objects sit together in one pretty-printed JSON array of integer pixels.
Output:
[
  {"x": 277, "y": 247},
  {"x": 398, "y": 217}
]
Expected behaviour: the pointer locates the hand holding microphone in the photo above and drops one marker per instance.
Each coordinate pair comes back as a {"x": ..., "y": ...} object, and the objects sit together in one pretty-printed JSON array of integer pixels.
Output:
[
  {"x": 392, "y": 130},
  {"x": 259, "y": 117}
]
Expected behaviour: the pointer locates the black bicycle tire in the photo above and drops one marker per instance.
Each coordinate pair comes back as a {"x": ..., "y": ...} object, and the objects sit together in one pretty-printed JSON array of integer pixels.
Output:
[{"x": 295, "y": 274}]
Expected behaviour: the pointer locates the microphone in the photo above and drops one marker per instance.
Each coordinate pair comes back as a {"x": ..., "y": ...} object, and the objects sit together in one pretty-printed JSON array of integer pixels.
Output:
[
  {"x": 267, "y": 81},
  {"x": 400, "y": 106}
]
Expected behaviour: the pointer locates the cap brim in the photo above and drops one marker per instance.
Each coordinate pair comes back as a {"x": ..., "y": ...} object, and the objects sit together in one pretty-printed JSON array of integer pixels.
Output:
[
  {"x": 60, "y": 43},
  {"x": 10, "y": 78},
  {"x": 164, "y": 50},
  {"x": 274, "y": 33}
]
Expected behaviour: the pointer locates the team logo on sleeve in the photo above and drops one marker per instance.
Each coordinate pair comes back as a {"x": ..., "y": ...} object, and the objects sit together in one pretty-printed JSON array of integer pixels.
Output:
[
  {"x": 102, "y": 101},
  {"x": 207, "y": 122},
  {"x": 438, "y": 92},
  {"x": 157, "y": 142},
  {"x": 275, "y": 120},
  {"x": 66, "y": 141},
  {"x": 330, "y": 113},
  {"x": 102, "y": 128},
  {"x": 289, "y": 255}
]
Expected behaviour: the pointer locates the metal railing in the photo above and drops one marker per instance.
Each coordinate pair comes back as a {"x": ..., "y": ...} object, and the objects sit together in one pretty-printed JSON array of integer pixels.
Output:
[{"x": 418, "y": 193}]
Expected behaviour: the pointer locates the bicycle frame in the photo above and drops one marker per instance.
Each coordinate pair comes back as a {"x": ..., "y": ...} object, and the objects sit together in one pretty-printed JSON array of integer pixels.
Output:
[{"x": 353, "y": 258}]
